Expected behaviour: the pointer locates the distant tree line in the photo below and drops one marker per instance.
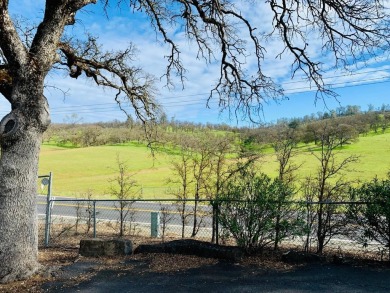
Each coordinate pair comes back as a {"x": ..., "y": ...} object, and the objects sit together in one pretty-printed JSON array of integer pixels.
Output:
[{"x": 349, "y": 122}]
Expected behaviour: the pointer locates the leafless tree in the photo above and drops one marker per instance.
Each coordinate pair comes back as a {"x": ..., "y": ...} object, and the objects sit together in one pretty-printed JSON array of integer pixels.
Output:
[
  {"x": 330, "y": 184},
  {"x": 84, "y": 212},
  {"x": 309, "y": 192},
  {"x": 201, "y": 172},
  {"x": 224, "y": 168},
  {"x": 220, "y": 168},
  {"x": 284, "y": 144},
  {"x": 182, "y": 176},
  {"x": 88, "y": 211},
  {"x": 123, "y": 188},
  {"x": 350, "y": 30},
  {"x": 165, "y": 218}
]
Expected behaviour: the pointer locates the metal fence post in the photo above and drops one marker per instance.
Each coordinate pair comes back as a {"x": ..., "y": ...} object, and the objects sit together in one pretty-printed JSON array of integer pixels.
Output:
[
  {"x": 216, "y": 222},
  {"x": 48, "y": 211},
  {"x": 47, "y": 223},
  {"x": 155, "y": 224},
  {"x": 94, "y": 219},
  {"x": 49, "y": 186}
]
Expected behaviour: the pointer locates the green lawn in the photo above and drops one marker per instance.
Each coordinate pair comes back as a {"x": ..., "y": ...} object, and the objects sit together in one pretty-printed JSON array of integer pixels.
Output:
[{"x": 77, "y": 170}]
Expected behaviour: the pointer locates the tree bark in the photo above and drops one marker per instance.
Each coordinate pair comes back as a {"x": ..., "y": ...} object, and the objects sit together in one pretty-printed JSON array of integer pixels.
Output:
[
  {"x": 18, "y": 216},
  {"x": 20, "y": 139}
]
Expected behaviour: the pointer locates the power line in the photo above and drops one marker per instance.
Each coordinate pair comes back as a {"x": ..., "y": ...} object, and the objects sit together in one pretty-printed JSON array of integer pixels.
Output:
[
  {"x": 347, "y": 84},
  {"x": 291, "y": 90},
  {"x": 108, "y": 107},
  {"x": 199, "y": 102}
]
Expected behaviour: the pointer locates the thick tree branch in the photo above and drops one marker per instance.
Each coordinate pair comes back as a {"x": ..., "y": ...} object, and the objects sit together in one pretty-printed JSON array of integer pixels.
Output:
[
  {"x": 5, "y": 82},
  {"x": 57, "y": 15},
  {"x": 78, "y": 4},
  {"x": 10, "y": 43}
]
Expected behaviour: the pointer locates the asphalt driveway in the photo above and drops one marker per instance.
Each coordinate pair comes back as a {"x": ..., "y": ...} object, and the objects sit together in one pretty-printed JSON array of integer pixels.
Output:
[{"x": 226, "y": 277}]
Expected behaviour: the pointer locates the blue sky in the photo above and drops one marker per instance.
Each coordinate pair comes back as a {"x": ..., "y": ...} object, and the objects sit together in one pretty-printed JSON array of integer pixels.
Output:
[{"x": 366, "y": 85}]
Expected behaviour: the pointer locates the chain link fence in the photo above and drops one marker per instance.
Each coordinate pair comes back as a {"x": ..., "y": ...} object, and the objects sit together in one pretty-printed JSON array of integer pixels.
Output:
[
  {"x": 316, "y": 225},
  {"x": 109, "y": 218}
]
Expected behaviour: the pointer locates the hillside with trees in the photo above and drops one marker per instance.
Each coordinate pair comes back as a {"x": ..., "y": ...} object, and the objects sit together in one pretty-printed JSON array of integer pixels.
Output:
[
  {"x": 290, "y": 150},
  {"x": 347, "y": 123},
  {"x": 263, "y": 173}
]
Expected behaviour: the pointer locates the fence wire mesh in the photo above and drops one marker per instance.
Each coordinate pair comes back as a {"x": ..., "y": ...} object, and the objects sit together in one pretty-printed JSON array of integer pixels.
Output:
[
  {"x": 325, "y": 225},
  {"x": 109, "y": 218}
]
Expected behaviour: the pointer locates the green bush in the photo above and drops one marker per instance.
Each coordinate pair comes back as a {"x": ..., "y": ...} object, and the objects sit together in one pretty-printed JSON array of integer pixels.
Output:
[
  {"x": 249, "y": 209},
  {"x": 373, "y": 215}
]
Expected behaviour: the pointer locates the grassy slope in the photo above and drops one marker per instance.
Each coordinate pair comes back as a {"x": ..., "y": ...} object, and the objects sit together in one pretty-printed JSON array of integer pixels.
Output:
[
  {"x": 373, "y": 152},
  {"x": 78, "y": 169}
]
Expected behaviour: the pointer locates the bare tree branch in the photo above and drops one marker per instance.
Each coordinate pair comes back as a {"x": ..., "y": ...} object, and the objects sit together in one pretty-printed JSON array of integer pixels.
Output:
[
  {"x": 350, "y": 30},
  {"x": 112, "y": 70},
  {"x": 210, "y": 24}
]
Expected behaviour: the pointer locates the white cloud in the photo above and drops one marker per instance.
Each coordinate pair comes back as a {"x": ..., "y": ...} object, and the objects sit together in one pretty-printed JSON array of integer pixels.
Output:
[{"x": 122, "y": 27}]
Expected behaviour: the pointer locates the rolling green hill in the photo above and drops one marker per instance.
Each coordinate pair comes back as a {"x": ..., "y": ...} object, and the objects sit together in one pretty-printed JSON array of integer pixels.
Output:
[{"x": 77, "y": 170}]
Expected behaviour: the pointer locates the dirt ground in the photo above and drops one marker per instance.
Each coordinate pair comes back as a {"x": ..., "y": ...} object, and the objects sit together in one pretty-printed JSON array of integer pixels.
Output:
[{"x": 66, "y": 271}]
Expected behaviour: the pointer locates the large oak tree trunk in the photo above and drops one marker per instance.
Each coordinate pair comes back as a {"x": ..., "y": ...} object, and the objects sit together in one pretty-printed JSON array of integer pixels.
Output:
[{"x": 20, "y": 140}]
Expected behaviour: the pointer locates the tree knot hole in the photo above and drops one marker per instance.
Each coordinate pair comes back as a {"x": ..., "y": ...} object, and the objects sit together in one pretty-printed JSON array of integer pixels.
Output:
[{"x": 9, "y": 124}]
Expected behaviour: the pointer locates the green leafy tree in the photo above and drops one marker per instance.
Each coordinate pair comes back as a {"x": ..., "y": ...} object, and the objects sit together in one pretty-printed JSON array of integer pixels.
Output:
[{"x": 289, "y": 218}]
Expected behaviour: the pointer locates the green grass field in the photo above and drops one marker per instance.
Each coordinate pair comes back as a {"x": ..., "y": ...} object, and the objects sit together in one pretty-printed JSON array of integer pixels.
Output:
[{"x": 77, "y": 170}]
